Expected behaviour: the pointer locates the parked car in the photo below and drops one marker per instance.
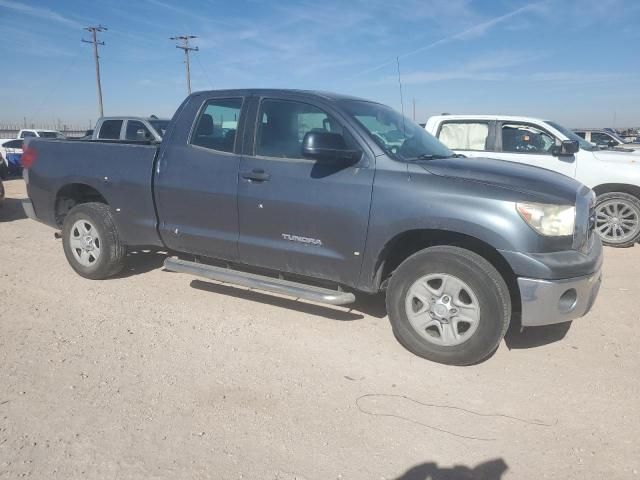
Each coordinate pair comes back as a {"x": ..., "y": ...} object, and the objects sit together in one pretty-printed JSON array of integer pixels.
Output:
[
  {"x": 1, "y": 193},
  {"x": 307, "y": 197},
  {"x": 130, "y": 128},
  {"x": 11, "y": 153},
  {"x": 39, "y": 133},
  {"x": 605, "y": 138},
  {"x": 614, "y": 176}
]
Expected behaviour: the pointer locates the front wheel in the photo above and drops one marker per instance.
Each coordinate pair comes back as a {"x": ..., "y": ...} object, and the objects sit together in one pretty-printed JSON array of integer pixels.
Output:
[
  {"x": 91, "y": 242},
  {"x": 448, "y": 305},
  {"x": 618, "y": 219}
]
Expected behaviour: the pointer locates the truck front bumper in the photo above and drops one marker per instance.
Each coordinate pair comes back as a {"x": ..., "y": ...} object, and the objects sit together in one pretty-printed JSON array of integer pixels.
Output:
[
  {"x": 545, "y": 302},
  {"x": 557, "y": 287}
]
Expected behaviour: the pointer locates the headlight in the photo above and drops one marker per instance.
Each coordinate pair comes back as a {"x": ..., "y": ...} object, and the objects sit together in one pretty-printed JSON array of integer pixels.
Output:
[{"x": 549, "y": 220}]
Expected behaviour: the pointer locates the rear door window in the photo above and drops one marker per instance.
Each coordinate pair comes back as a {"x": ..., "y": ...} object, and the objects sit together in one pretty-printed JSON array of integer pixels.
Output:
[
  {"x": 110, "y": 129},
  {"x": 465, "y": 135}
]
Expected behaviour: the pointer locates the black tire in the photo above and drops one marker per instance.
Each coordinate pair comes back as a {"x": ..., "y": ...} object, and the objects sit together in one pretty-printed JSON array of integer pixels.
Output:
[
  {"x": 4, "y": 169},
  {"x": 488, "y": 286},
  {"x": 112, "y": 249},
  {"x": 633, "y": 204}
]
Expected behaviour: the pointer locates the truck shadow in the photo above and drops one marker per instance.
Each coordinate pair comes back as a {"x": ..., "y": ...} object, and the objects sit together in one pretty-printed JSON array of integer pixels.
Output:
[
  {"x": 282, "y": 302},
  {"x": 490, "y": 470},
  {"x": 533, "y": 337},
  {"x": 142, "y": 261},
  {"x": 11, "y": 210}
]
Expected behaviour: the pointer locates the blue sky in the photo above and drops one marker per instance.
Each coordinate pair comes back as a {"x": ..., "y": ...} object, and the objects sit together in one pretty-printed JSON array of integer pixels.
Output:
[{"x": 575, "y": 61}]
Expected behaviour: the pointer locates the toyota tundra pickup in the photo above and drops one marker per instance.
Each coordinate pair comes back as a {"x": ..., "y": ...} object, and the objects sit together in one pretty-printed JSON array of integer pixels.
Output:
[{"x": 320, "y": 196}]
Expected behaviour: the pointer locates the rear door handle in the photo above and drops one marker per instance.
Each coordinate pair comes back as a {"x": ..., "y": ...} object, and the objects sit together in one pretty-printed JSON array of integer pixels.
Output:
[{"x": 256, "y": 175}]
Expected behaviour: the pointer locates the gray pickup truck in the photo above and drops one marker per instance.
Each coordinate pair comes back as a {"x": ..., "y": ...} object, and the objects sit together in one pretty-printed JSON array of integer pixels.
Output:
[{"x": 319, "y": 196}]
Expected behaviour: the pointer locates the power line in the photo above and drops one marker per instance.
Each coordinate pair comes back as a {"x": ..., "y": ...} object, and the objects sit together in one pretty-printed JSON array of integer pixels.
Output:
[
  {"x": 184, "y": 45},
  {"x": 204, "y": 70},
  {"x": 94, "y": 32},
  {"x": 55, "y": 85}
]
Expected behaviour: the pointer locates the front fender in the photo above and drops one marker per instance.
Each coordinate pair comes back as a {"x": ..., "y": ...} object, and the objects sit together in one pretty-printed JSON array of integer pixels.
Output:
[{"x": 430, "y": 203}]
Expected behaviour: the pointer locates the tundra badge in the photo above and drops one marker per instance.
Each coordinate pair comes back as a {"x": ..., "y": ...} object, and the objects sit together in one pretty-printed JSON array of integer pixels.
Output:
[{"x": 296, "y": 238}]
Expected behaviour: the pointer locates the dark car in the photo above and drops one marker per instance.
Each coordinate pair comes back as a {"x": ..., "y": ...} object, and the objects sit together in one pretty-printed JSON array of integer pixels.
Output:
[{"x": 320, "y": 196}]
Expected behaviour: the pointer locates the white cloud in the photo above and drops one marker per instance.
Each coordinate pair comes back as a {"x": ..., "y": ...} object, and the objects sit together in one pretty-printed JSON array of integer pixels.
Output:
[
  {"x": 471, "y": 32},
  {"x": 40, "y": 12}
]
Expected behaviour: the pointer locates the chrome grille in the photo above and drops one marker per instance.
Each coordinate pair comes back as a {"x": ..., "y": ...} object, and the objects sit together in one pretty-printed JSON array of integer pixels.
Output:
[{"x": 585, "y": 219}]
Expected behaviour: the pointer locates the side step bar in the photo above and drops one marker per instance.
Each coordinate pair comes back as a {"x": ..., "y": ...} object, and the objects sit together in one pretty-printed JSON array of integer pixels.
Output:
[{"x": 251, "y": 280}]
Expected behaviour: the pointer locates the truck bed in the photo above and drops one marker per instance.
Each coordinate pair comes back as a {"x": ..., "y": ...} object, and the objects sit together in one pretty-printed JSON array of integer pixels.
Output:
[{"x": 121, "y": 172}]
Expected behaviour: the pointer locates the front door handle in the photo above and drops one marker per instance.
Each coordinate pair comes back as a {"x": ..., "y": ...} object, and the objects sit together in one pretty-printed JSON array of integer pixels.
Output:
[{"x": 256, "y": 175}]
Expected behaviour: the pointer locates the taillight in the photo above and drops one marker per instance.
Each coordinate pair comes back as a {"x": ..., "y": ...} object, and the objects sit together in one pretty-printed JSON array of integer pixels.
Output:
[{"x": 29, "y": 156}]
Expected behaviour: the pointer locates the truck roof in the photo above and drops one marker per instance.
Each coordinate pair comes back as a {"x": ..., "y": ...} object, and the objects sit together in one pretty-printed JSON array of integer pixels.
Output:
[
  {"x": 508, "y": 118},
  {"x": 130, "y": 117},
  {"x": 36, "y": 130},
  {"x": 271, "y": 91}
]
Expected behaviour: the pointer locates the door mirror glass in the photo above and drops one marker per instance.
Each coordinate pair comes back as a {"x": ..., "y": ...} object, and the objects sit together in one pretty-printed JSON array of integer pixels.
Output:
[
  {"x": 566, "y": 148},
  {"x": 322, "y": 145}
]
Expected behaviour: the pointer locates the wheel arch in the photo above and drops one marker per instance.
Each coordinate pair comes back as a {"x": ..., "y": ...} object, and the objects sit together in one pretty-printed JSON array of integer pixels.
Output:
[
  {"x": 405, "y": 244},
  {"x": 72, "y": 194},
  {"x": 617, "y": 187}
]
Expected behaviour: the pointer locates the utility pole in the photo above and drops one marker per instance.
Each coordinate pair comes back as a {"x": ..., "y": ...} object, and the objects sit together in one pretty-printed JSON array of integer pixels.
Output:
[
  {"x": 94, "y": 31},
  {"x": 414, "y": 109},
  {"x": 184, "y": 45}
]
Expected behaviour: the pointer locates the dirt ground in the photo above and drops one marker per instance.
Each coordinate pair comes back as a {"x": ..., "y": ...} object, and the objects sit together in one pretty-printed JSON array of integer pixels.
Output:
[{"x": 158, "y": 375}]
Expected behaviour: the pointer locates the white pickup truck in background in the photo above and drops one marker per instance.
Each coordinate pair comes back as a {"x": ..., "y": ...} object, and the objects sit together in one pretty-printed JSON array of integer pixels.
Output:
[
  {"x": 613, "y": 175},
  {"x": 39, "y": 133},
  {"x": 130, "y": 128}
]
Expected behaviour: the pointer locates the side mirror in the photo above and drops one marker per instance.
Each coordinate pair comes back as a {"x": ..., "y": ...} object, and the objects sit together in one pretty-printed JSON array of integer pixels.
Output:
[
  {"x": 612, "y": 143},
  {"x": 324, "y": 145},
  {"x": 566, "y": 148}
]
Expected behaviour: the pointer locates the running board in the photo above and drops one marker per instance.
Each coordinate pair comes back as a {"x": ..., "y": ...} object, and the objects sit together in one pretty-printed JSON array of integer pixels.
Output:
[{"x": 251, "y": 280}]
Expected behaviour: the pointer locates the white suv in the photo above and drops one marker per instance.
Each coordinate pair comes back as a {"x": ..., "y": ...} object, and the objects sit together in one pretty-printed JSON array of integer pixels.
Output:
[{"x": 613, "y": 175}]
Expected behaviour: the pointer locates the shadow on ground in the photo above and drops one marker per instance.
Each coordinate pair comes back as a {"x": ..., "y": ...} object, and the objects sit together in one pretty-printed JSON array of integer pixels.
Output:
[
  {"x": 532, "y": 337},
  {"x": 142, "y": 261},
  {"x": 490, "y": 470},
  {"x": 11, "y": 210},
  {"x": 332, "y": 313}
]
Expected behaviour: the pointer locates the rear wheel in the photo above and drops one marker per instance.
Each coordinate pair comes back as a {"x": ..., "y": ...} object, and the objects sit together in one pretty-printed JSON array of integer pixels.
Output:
[
  {"x": 448, "y": 305},
  {"x": 91, "y": 242},
  {"x": 618, "y": 219}
]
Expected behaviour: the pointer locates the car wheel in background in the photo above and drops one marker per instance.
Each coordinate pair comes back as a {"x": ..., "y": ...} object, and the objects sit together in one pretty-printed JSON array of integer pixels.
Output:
[{"x": 618, "y": 219}]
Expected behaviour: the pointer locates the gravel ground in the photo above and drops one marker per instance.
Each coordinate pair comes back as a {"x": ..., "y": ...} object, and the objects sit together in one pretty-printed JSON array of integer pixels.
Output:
[{"x": 158, "y": 375}]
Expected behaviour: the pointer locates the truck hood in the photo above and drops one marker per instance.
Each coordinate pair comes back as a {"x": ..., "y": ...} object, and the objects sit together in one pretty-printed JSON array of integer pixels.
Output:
[
  {"x": 550, "y": 187},
  {"x": 618, "y": 156}
]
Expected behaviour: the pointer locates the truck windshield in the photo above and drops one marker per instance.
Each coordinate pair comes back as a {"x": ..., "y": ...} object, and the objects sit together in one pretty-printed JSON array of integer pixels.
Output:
[
  {"x": 584, "y": 145},
  {"x": 398, "y": 136},
  {"x": 159, "y": 126}
]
